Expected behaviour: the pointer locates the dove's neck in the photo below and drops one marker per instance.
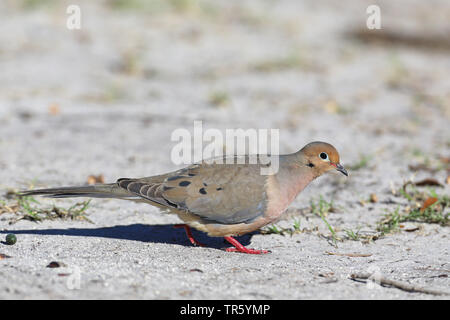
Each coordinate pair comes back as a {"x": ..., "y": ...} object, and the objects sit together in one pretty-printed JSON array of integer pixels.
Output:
[{"x": 292, "y": 176}]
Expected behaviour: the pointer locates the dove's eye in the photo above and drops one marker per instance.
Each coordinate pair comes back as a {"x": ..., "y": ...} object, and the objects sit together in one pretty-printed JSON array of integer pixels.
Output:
[{"x": 323, "y": 156}]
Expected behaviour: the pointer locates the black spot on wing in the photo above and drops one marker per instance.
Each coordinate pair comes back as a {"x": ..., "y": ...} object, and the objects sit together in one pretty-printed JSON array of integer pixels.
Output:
[
  {"x": 184, "y": 183},
  {"x": 202, "y": 191},
  {"x": 174, "y": 178}
]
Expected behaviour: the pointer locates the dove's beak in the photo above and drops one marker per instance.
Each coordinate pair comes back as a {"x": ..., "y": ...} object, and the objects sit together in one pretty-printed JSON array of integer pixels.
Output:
[{"x": 340, "y": 168}]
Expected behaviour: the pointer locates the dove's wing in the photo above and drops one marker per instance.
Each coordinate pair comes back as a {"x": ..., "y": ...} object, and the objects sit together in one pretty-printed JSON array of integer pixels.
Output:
[{"x": 224, "y": 193}]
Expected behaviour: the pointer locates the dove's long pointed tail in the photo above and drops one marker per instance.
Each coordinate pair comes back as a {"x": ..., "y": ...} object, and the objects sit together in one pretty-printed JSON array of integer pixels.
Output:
[{"x": 110, "y": 190}]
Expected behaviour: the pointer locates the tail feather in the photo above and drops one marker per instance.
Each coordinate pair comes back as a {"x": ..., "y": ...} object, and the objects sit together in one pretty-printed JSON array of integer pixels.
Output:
[{"x": 111, "y": 190}]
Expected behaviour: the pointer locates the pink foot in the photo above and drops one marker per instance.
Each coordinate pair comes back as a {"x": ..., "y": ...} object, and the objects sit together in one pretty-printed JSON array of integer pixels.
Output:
[
  {"x": 240, "y": 248},
  {"x": 189, "y": 234}
]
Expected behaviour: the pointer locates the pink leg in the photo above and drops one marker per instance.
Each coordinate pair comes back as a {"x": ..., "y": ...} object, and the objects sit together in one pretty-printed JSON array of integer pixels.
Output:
[
  {"x": 189, "y": 234},
  {"x": 240, "y": 248}
]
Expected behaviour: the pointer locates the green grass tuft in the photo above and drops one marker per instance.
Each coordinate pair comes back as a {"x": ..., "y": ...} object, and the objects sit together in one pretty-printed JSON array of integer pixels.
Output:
[
  {"x": 322, "y": 208},
  {"x": 436, "y": 213},
  {"x": 28, "y": 208}
]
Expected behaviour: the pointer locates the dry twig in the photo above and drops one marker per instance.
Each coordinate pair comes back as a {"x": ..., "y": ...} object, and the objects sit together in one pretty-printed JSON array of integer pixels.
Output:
[
  {"x": 349, "y": 254},
  {"x": 397, "y": 284}
]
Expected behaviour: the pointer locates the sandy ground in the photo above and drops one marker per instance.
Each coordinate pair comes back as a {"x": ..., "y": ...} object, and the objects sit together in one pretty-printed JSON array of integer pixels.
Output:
[{"x": 105, "y": 100}]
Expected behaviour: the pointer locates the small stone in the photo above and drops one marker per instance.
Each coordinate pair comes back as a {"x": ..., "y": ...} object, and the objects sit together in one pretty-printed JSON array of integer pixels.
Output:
[
  {"x": 11, "y": 239},
  {"x": 55, "y": 264}
]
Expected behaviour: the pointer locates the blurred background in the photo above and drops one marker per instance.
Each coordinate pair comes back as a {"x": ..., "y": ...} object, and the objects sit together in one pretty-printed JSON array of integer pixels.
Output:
[
  {"x": 104, "y": 99},
  {"x": 100, "y": 103}
]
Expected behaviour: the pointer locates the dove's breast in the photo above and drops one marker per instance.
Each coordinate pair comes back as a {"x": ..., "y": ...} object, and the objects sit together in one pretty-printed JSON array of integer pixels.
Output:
[{"x": 282, "y": 189}]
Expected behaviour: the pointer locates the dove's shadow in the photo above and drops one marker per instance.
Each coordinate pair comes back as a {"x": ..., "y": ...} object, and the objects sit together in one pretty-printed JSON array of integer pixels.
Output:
[{"x": 165, "y": 233}]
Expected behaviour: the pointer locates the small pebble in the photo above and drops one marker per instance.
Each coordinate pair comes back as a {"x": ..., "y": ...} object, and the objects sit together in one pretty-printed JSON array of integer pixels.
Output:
[
  {"x": 4, "y": 256},
  {"x": 11, "y": 239},
  {"x": 56, "y": 264}
]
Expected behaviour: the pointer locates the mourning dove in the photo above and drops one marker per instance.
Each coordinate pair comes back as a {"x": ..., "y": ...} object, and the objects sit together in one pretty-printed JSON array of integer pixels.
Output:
[{"x": 221, "y": 199}]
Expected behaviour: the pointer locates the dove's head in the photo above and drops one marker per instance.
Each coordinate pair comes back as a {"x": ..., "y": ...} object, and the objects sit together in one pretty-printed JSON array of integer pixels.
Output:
[{"x": 321, "y": 157}]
